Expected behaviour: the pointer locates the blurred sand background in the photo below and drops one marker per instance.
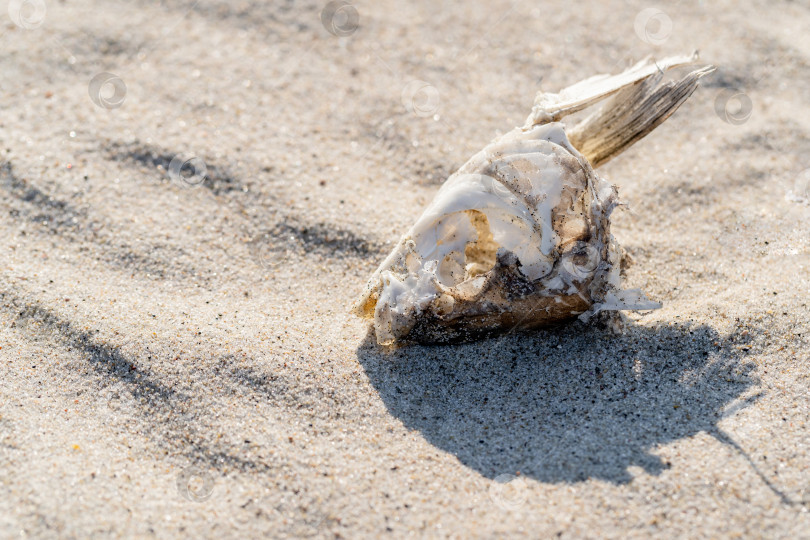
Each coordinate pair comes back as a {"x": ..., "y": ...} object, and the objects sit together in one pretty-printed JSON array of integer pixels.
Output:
[{"x": 177, "y": 359}]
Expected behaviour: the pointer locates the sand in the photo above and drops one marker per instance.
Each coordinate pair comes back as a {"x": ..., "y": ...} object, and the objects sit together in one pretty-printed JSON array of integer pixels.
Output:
[{"x": 177, "y": 358}]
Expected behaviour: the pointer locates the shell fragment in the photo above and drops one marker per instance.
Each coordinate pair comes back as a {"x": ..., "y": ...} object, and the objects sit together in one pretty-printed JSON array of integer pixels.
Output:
[{"x": 519, "y": 236}]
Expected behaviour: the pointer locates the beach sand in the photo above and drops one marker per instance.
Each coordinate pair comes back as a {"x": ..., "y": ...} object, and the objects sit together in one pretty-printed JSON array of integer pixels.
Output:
[{"x": 178, "y": 359}]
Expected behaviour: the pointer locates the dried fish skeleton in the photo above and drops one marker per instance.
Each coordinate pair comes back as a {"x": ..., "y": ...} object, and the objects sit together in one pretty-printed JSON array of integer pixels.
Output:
[{"x": 519, "y": 237}]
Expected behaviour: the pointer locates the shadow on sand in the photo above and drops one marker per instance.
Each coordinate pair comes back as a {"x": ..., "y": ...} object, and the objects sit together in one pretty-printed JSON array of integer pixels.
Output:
[{"x": 563, "y": 405}]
